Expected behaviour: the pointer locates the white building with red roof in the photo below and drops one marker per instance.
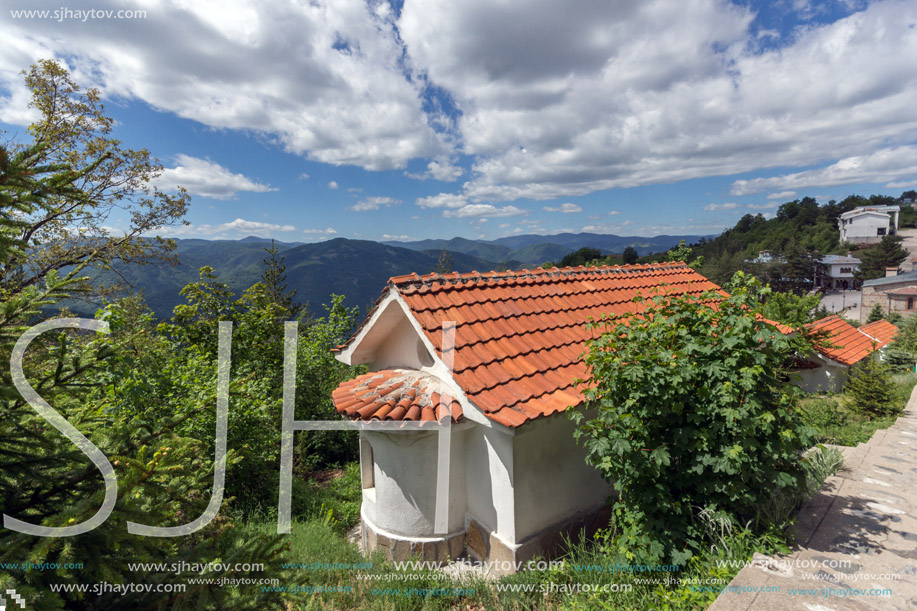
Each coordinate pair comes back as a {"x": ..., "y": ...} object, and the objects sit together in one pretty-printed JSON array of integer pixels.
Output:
[
  {"x": 505, "y": 478},
  {"x": 827, "y": 369}
]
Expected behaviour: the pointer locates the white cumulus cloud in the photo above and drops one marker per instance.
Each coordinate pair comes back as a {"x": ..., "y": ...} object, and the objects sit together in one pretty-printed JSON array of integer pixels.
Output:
[
  {"x": 483, "y": 210},
  {"x": 442, "y": 200},
  {"x": 726, "y": 206},
  {"x": 206, "y": 178},
  {"x": 237, "y": 228},
  {"x": 325, "y": 80},
  {"x": 539, "y": 99},
  {"x": 374, "y": 203},
  {"x": 567, "y": 208},
  {"x": 784, "y": 195},
  {"x": 880, "y": 166}
]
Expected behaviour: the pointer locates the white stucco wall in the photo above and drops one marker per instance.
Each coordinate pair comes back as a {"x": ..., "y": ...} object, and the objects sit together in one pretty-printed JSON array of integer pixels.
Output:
[
  {"x": 830, "y": 377},
  {"x": 553, "y": 481},
  {"x": 489, "y": 486},
  {"x": 402, "y": 348},
  {"x": 403, "y": 501},
  {"x": 864, "y": 226},
  {"x": 835, "y": 270}
]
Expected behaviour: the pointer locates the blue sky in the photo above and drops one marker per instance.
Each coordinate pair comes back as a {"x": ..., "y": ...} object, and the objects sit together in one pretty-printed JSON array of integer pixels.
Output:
[{"x": 394, "y": 121}]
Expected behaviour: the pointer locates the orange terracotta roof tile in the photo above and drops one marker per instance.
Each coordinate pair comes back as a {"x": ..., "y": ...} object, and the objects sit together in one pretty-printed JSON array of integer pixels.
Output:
[
  {"x": 393, "y": 395},
  {"x": 881, "y": 330},
  {"x": 851, "y": 345},
  {"x": 520, "y": 335}
]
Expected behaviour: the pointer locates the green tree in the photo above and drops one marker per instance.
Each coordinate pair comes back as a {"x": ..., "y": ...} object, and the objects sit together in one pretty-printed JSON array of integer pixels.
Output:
[
  {"x": 51, "y": 190},
  {"x": 630, "y": 255},
  {"x": 274, "y": 279},
  {"x": 870, "y": 387},
  {"x": 445, "y": 262},
  {"x": 73, "y": 132},
  {"x": 791, "y": 309},
  {"x": 580, "y": 257},
  {"x": 887, "y": 253},
  {"x": 875, "y": 314},
  {"x": 693, "y": 416},
  {"x": 683, "y": 253}
]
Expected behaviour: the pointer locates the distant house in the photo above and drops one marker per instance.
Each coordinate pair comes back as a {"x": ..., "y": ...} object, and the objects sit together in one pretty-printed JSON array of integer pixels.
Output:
[
  {"x": 895, "y": 293},
  {"x": 827, "y": 369},
  {"x": 766, "y": 256},
  {"x": 838, "y": 272},
  {"x": 516, "y": 478},
  {"x": 868, "y": 224}
]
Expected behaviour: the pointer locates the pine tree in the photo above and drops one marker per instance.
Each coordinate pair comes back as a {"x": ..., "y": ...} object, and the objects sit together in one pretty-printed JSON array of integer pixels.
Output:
[
  {"x": 274, "y": 278},
  {"x": 445, "y": 263},
  {"x": 870, "y": 388},
  {"x": 885, "y": 254},
  {"x": 875, "y": 314}
]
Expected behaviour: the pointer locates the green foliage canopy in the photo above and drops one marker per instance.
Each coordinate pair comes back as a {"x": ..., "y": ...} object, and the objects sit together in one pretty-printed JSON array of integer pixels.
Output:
[{"x": 690, "y": 415}]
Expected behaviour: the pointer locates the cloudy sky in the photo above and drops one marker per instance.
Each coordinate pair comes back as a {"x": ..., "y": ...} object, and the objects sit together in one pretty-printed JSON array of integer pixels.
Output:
[{"x": 308, "y": 120}]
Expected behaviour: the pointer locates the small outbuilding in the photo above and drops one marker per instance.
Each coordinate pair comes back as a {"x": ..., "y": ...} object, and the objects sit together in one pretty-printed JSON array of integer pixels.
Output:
[
  {"x": 827, "y": 369},
  {"x": 894, "y": 293},
  {"x": 506, "y": 479}
]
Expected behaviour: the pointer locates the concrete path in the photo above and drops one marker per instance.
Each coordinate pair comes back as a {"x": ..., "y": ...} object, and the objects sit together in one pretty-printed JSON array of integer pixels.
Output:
[
  {"x": 910, "y": 245},
  {"x": 845, "y": 303},
  {"x": 856, "y": 539}
]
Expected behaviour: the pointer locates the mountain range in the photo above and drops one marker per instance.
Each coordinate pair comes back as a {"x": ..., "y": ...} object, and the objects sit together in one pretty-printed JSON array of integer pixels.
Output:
[{"x": 358, "y": 269}]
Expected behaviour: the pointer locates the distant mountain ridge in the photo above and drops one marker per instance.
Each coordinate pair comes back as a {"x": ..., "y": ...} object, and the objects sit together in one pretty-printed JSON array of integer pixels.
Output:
[
  {"x": 534, "y": 249},
  {"x": 357, "y": 269}
]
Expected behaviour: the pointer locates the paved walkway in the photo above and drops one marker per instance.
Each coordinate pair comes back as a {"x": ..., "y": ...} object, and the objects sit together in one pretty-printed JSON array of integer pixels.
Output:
[
  {"x": 845, "y": 303},
  {"x": 857, "y": 538},
  {"x": 910, "y": 245}
]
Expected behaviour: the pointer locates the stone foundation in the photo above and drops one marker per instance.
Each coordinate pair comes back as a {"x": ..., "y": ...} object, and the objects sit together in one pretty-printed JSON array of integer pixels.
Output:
[
  {"x": 395, "y": 547},
  {"x": 483, "y": 545}
]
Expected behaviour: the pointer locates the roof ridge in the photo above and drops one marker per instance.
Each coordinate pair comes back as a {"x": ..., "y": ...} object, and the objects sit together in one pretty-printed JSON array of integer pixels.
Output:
[
  {"x": 875, "y": 339},
  {"x": 414, "y": 279}
]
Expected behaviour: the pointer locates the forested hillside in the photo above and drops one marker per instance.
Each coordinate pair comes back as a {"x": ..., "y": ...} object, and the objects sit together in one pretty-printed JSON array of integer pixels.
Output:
[
  {"x": 358, "y": 269},
  {"x": 800, "y": 227}
]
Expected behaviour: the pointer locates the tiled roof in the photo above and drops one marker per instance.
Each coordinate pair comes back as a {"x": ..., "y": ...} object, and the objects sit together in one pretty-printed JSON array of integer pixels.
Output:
[
  {"x": 866, "y": 209},
  {"x": 394, "y": 394},
  {"x": 905, "y": 291},
  {"x": 839, "y": 260},
  {"x": 520, "y": 336},
  {"x": 905, "y": 277},
  {"x": 851, "y": 345},
  {"x": 881, "y": 330}
]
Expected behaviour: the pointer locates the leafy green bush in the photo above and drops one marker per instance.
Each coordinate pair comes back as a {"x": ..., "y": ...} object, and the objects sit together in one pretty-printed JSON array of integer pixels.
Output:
[
  {"x": 822, "y": 413},
  {"x": 692, "y": 416},
  {"x": 341, "y": 495}
]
